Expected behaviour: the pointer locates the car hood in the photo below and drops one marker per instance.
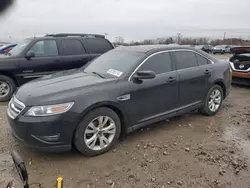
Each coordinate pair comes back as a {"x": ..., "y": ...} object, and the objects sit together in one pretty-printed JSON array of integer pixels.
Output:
[
  {"x": 241, "y": 50},
  {"x": 60, "y": 86}
]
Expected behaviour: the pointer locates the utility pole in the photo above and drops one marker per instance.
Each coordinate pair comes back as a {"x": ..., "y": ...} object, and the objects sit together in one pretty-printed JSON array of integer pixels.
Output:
[
  {"x": 10, "y": 38},
  {"x": 224, "y": 35},
  {"x": 178, "y": 38}
]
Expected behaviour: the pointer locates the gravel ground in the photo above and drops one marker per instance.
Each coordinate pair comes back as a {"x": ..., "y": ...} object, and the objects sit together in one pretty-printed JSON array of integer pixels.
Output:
[{"x": 187, "y": 151}]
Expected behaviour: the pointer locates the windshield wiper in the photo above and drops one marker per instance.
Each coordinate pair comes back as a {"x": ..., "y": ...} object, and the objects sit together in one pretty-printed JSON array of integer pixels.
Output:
[{"x": 96, "y": 73}]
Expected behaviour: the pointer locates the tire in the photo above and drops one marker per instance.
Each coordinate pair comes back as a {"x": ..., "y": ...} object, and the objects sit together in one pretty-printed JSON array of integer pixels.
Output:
[
  {"x": 81, "y": 137},
  {"x": 7, "y": 88},
  {"x": 206, "y": 109}
]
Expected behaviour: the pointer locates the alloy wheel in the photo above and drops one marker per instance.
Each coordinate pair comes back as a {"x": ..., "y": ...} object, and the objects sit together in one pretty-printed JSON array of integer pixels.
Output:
[
  {"x": 4, "y": 89},
  {"x": 214, "y": 100},
  {"x": 99, "y": 133}
]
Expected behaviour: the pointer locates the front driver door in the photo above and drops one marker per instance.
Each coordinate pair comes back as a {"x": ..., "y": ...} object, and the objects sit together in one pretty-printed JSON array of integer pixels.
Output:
[
  {"x": 46, "y": 60},
  {"x": 155, "y": 97}
]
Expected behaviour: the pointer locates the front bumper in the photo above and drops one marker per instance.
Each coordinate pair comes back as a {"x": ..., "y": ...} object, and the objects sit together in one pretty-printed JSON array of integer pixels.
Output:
[
  {"x": 241, "y": 78},
  {"x": 52, "y": 133}
]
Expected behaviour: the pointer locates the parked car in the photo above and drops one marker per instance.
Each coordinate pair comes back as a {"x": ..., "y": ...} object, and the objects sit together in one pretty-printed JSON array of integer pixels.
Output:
[
  {"x": 221, "y": 49},
  {"x": 36, "y": 57},
  {"x": 5, "y": 49},
  {"x": 240, "y": 64},
  {"x": 121, "y": 91},
  {"x": 206, "y": 48}
]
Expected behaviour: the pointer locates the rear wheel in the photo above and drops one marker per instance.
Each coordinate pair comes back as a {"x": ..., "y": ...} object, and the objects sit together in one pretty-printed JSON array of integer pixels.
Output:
[
  {"x": 7, "y": 88},
  {"x": 213, "y": 101},
  {"x": 98, "y": 132}
]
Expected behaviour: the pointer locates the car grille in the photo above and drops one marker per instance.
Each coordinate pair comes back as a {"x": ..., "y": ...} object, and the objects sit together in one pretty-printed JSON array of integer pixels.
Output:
[
  {"x": 238, "y": 66},
  {"x": 15, "y": 107}
]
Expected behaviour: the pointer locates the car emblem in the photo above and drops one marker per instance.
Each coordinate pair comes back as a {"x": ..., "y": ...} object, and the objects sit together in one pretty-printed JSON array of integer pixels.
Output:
[
  {"x": 124, "y": 97},
  {"x": 241, "y": 66}
]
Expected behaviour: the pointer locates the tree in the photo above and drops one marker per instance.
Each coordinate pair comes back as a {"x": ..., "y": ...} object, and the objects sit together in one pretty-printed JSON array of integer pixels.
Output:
[{"x": 119, "y": 40}]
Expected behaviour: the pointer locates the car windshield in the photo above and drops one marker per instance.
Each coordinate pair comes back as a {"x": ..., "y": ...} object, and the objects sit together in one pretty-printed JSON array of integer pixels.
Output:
[
  {"x": 114, "y": 63},
  {"x": 19, "y": 47}
]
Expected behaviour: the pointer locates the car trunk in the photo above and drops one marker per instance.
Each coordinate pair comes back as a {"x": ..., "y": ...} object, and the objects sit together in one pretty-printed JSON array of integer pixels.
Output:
[{"x": 241, "y": 58}]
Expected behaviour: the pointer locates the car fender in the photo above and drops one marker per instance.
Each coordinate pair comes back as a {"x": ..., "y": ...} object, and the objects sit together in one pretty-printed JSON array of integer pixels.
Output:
[{"x": 109, "y": 104}]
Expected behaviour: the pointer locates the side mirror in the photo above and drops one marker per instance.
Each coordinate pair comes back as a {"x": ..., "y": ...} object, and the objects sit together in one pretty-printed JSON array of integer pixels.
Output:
[
  {"x": 21, "y": 169},
  {"x": 142, "y": 75},
  {"x": 30, "y": 54}
]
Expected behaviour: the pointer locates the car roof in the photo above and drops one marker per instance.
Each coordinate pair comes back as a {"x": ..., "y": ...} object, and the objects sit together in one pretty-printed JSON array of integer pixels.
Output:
[
  {"x": 151, "y": 48},
  {"x": 69, "y": 37}
]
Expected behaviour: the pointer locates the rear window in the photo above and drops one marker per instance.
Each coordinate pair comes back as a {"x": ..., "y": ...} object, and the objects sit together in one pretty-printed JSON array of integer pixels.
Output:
[
  {"x": 185, "y": 59},
  {"x": 72, "y": 47},
  {"x": 98, "y": 45},
  {"x": 201, "y": 60}
]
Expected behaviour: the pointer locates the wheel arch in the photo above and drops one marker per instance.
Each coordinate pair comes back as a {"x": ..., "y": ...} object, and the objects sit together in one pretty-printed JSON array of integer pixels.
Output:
[
  {"x": 111, "y": 105},
  {"x": 6, "y": 73},
  {"x": 222, "y": 85}
]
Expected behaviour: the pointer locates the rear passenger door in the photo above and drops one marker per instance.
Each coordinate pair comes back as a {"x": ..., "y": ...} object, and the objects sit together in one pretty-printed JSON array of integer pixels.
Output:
[
  {"x": 97, "y": 46},
  {"x": 73, "y": 54},
  {"x": 193, "y": 79}
]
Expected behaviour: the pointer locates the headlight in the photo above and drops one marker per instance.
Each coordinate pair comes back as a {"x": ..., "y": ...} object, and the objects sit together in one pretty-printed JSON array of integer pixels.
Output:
[
  {"x": 49, "y": 110},
  {"x": 231, "y": 64}
]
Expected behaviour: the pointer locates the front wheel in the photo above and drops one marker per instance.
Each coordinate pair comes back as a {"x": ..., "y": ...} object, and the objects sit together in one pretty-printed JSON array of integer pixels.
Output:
[
  {"x": 7, "y": 88},
  {"x": 213, "y": 101},
  {"x": 98, "y": 132}
]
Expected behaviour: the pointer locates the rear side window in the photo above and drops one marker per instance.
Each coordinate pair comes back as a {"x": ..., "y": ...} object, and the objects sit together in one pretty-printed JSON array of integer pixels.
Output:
[
  {"x": 72, "y": 47},
  {"x": 201, "y": 60},
  {"x": 185, "y": 60},
  {"x": 159, "y": 63},
  {"x": 98, "y": 45}
]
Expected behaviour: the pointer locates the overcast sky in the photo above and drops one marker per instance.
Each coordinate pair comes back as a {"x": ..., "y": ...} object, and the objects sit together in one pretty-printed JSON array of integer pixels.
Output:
[{"x": 132, "y": 19}]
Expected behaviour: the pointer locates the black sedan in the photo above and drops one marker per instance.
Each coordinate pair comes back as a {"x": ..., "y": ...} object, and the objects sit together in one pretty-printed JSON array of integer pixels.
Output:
[{"x": 121, "y": 91}]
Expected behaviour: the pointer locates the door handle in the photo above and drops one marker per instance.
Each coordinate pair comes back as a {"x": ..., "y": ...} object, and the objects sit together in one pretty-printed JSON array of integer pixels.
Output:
[
  {"x": 170, "y": 79},
  {"x": 207, "y": 72}
]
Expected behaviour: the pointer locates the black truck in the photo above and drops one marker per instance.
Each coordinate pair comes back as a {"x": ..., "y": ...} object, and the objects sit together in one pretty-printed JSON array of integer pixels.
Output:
[{"x": 35, "y": 57}]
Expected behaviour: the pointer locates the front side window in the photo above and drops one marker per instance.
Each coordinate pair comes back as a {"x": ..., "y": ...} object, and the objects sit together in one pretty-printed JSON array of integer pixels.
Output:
[
  {"x": 159, "y": 63},
  {"x": 185, "y": 59},
  {"x": 72, "y": 47},
  {"x": 44, "y": 48}
]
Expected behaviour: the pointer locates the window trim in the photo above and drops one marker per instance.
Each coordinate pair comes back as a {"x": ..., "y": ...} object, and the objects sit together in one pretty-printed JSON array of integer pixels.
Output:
[{"x": 177, "y": 50}]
